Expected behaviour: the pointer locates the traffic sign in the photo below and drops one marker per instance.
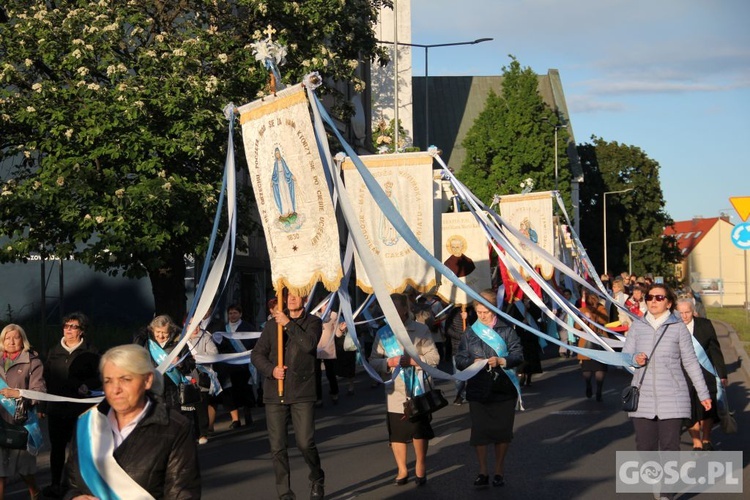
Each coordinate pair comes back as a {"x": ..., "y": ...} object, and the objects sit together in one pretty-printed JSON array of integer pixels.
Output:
[
  {"x": 742, "y": 205},
  {"x": 741, "y": 236}
]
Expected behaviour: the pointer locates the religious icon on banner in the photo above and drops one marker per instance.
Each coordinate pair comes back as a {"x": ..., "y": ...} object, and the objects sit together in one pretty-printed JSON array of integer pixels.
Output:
[
  {"x": 465, "y": 251},
  {"x": 532, "y": 215}
]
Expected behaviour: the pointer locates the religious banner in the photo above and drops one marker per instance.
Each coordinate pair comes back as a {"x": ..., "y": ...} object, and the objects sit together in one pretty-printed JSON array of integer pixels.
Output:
[
  {"x": 407, "y": 180},
  {"x": 465, "y": 251},
  {"x": 531, "y": 214},
  {"x": 291, "y": 192}
]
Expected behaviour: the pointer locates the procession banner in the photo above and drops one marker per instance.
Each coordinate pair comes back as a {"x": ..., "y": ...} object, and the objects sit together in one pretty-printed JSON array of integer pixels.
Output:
[
  {"x": 291, "y": 192},
  {"x": 466, "y": 253},
  {"x": 531, "y": 214},
  {"x": 407, "y": 181}
]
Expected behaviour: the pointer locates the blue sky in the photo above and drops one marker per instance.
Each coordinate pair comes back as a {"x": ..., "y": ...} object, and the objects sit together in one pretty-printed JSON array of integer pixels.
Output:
[{"x": 671, "y": 77}]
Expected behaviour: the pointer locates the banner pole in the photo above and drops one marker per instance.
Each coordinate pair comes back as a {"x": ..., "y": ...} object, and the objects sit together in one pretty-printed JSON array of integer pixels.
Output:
[
  {"x": 463, "y": 310},
  {"x": 280, "y": 340}
]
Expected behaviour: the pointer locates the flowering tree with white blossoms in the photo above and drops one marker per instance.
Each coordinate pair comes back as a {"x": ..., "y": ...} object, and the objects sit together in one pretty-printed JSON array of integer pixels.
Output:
[{"x": 113, "y": 137}]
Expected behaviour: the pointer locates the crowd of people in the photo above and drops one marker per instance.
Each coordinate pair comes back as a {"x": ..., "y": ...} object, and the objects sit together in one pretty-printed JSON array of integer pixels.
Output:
[{"x": 171, "y": 413}]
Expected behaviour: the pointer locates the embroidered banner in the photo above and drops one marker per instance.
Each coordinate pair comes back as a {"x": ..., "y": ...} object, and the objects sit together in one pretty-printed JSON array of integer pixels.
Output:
[
  {"x": 466, "y": 253},
  {"x": 291, "y": 192},
  {"x": 408, "y": 182},
  {"x": 531, "y": 214}
]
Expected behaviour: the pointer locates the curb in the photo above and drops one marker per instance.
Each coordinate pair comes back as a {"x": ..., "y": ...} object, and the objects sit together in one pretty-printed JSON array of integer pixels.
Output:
[{"x": 738, "y": 345}]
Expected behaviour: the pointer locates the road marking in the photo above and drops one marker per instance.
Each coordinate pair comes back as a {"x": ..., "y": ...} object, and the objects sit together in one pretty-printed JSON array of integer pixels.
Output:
[{"x": 574, "y": 412}]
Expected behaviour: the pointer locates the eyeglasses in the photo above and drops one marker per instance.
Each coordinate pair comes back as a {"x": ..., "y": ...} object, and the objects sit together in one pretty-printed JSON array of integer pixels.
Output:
[
  {"x": 71, "y": 326},
  {"x": 658, "y": 298}
]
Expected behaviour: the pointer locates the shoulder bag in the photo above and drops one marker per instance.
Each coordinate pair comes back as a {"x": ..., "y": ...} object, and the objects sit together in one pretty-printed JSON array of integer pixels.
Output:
[
  {"x": 13, "y": 436},
  {"x": 423, "y": 405},
  {"x": 630, "y": 395}
]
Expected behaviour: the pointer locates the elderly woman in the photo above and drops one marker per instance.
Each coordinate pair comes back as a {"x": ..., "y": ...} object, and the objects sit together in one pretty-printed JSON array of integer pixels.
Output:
[
  {"x": 149, "y": 445},
  {"x": 20, "y": 369},
  {"x": 493, "y": 392},
  {"x": 387, "y": 354},
  {"x": 662, "y": 342},
  {"x": 71, "y": 370}
]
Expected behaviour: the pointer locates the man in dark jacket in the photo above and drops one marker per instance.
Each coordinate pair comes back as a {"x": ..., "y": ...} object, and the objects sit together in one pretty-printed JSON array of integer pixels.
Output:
[{"x": 301, "y": 332}]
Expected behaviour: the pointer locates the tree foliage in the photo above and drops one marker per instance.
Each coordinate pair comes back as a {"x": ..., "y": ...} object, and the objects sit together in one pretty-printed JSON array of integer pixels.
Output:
[
  {"x": 513, "y": 139},
  {"x": 113, "y": 137},
  {"x": 636, "y": 215}
]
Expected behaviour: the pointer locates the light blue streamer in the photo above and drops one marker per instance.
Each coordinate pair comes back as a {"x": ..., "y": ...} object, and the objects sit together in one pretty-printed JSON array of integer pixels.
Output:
[
  {"x": 498, "y": 344},
  {"x": 390, "y": 212}
]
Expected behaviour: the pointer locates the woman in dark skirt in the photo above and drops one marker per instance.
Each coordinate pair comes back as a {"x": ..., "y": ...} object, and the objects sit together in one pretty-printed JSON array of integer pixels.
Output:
[{"x": 494, "y": 390}]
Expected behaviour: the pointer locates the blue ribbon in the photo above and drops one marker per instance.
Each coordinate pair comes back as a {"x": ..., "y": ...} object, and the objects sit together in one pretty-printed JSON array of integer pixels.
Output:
[
  {"x": 240, "y": 347},
  {"x": 721, "y": 395},
  {"x": 36, "y": 440},
  {"x": 159, "y": 354},
  {"x": 86, "y": 460},
  {"x": 498, "y": 344},
  {"x": 392, "y": 349}
]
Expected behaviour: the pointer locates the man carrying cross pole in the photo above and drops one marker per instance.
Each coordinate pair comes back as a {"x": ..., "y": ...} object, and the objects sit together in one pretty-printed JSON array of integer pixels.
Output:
[{"x": 289, "y": 389}]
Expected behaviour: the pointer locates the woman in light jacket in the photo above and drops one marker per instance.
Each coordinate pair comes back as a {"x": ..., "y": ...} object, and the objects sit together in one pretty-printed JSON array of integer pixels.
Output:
[
  {"x": 664, "y": 392},
  {"x": 385, "y": 358}
]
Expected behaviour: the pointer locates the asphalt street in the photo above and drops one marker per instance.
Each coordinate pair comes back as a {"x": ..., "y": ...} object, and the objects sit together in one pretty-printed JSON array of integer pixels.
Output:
[{"x": 564, "y": 445}]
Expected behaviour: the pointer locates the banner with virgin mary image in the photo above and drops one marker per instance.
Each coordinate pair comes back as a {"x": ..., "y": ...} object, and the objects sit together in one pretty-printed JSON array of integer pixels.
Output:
[
  {"x": 532, "y": 215},
  {"x": 291, "y": 193},
  {"x": 465, "y": 251},
  {"x": 407, "y": 180}
]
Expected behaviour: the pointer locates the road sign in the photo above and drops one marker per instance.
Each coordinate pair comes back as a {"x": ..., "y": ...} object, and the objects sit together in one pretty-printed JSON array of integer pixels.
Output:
[
  {"x": 741, "y": 236},
  {"x": 742, "y": 205}
]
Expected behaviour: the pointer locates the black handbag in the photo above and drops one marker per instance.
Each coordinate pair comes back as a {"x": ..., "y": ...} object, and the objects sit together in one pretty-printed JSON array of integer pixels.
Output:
[
  {"x": 189, "y": 393},
  {"x": 13, "y": 436},
  {"x": 630, "y": 395},
  {"x": 418, "y": 407}
]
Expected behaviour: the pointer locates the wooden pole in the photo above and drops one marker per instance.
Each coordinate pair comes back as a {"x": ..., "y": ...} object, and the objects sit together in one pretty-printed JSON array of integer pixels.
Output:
[{"x": 280, "y": 340}]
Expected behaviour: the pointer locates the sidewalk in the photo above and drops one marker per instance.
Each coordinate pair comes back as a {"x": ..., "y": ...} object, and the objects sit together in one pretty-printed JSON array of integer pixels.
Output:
[{"x": 732, "y": 348}]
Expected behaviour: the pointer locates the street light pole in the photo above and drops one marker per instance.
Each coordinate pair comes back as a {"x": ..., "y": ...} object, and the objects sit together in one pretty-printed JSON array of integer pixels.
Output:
[
  {"x": 606, "y": 269},
  {"x": 427, "y": 48},
  {"x": 630, "y": 253}
]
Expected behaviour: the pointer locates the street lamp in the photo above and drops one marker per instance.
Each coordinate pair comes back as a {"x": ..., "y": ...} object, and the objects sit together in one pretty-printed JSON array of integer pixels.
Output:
[
  {"x": 606, "y": 269},
  {"x": 630, "y": 253},
  {"x": 557, "y": 127},
  {"x": 427, "y": 48}
]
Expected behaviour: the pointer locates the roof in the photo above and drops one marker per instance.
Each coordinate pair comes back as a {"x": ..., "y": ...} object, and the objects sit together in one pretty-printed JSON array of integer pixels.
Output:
[
  {"x": 456, "y": 102},
  {"x": 689, "y": 233}
]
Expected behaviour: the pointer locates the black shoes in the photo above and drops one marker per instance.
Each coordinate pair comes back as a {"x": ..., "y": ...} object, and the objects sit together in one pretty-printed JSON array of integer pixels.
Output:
[
  {"x": 498, "y": 480},
  {"x": 707, "y": 446},
  {"x": 421, "y": 481},
  {"x": 235, "y": 425},
  {"x": 589, "y": 392},
  {"x": 317, "y": 491},
  {"x": 482, "y": 481},
  {"x": 400, "y": 481}
]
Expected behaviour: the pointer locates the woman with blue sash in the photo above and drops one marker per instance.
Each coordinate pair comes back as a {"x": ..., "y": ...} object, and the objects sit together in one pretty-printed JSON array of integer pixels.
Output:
[
  {"x": 21, "y": 368},
  {"x": 388, "y": 356},
  {"x": 132, "y": 445},
  {"x": 494, "y": 391}
]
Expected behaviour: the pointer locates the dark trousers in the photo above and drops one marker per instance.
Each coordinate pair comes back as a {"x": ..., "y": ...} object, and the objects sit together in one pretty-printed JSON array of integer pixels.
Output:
[
  {"x": 61, "y": 429},
  {"x": 657, "y": 435},
  {"x": 333, "y": 383},
  {"x": 301, "y": 416}
]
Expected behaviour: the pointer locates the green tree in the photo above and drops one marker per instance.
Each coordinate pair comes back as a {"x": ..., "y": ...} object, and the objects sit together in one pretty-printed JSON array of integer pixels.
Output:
[
  {"x": 513, "y": 140},
  {"x": 636, "y": 215},
  {"x": 113, "y": 137}
]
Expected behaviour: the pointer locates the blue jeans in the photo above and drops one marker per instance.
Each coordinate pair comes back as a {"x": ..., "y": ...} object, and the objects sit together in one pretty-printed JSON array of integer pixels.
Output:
[
  {"x": 301, "y": 416},
  {"x": 460, "y": 384}
]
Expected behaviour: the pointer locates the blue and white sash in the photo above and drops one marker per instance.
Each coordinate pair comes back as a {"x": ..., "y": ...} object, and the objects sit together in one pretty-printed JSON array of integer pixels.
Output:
[
  {"x": 100, "y": 471},
  {"x": 721, "y": 395},
  {"x": 497, "y": 343},
  {"x": 159, "y": 354},
  {"x": 32, "y": 422},
  {"x": 414, "y": 385},
  {"x": 240, "y": 347}
]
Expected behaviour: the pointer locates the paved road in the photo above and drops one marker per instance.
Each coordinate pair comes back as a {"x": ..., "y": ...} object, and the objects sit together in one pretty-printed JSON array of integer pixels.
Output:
[{"x": 564, "y": 446}]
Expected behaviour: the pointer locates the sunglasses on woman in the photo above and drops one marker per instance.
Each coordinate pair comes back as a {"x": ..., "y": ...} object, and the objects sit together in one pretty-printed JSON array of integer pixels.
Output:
[{"x": 658, "y": 298}]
